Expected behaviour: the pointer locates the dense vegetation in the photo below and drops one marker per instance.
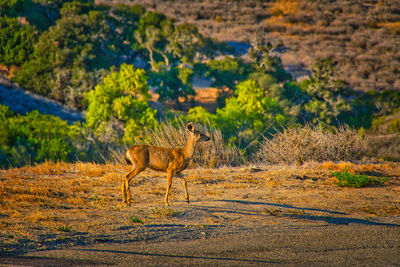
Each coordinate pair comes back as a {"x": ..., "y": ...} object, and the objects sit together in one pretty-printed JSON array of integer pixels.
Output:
[{"x": 103, "y": 60}]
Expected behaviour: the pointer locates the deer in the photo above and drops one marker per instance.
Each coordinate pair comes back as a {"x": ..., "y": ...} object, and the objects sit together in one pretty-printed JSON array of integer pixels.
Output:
[{"x": 170, "y": 160}]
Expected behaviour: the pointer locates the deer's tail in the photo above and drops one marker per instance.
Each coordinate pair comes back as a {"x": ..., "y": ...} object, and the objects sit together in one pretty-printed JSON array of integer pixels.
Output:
[{"x": 128, "y": 159}]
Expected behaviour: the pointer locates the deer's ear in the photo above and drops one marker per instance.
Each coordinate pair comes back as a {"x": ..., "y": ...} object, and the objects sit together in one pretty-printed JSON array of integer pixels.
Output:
[{"x": 190, "y": 126}]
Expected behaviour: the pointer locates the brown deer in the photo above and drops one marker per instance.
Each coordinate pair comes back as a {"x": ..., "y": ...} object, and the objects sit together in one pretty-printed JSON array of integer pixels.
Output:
[{"x": 170, "y": 160}]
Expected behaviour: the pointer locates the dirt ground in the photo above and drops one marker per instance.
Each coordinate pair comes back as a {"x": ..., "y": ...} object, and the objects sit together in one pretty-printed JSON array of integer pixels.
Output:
[{"x": 71, "y": 214}]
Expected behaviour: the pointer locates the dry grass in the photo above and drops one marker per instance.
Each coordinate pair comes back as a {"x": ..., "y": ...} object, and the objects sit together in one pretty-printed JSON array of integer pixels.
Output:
[
  {"x": 285, "y": 7},
  {"x": 298, "y": 145},
  {"x": 393, "y": 26},
  {"x": 56, "y": 186},
  {"x": 47, "y": 167},
  {"x": 83, "y": 200},
  {"x": 356, "y": 168},
  {"x": 209, "y": 154}
]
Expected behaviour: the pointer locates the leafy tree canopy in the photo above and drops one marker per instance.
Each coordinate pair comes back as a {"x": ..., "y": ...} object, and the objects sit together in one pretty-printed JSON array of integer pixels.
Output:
[
  {"x": 67, "y": 57},
  {"x": 246, "y": 115},
  {"x": 120, "y": 101},
  {"x": 172, "y": 83},
  {"x": 16, "y": 42}
]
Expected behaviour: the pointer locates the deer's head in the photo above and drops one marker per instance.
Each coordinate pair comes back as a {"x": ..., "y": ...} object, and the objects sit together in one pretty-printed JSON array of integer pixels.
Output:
[{"x": 199, "y": 136}]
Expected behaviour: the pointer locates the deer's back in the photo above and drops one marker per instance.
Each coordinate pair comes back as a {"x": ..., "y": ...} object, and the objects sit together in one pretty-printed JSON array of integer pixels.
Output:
[{"x": 157, "y": 158}]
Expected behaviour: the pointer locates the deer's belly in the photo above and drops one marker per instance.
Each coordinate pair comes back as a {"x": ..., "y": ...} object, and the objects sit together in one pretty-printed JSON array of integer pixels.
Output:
[
  {"x": 172, "y": 165},
  {"x": 158, "y": 165}
]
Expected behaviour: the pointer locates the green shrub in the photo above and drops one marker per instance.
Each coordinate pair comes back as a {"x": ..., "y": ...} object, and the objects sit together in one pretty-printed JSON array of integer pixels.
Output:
[
  {"x": 35, "y": 137},
  {"x": 394, "y": 126},
  {"x": 65, "y": 229},
  {"x": 136, "y": 219},
  {"x": 346, "y": 179}
]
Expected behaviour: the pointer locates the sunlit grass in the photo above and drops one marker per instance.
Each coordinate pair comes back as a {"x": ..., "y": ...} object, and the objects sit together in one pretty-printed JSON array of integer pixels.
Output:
[
  {"x": 354, "y": 168},
  {"x": 394, "y": 26},
  {"x": 87, "y": 197},
  {"x": 284, "y": 7}
]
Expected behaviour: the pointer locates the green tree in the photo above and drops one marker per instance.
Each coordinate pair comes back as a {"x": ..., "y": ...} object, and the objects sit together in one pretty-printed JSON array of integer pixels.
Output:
[
  {"x": 289, "y": 95},
  {"x": 16, "y": 42},
  {"x": 184, "y": 42},
  {"x": 41, "y": 14},
  {"x": 170, "y": 51},
  {"x": 247, "y": 115},
  {"x": 124, "y": 18},
  {"x": 157, "y": 21},
  {"x": 121, "y": 101},
  {"x": 68, "y": 58},
  {"x": 226, "y": 74},
  {"x": 261, "y": 54},
  {"x": 172, "y": 83},
  {"x": 10, "y": 8},
  {"x": 151, "y": 36},
  {"x": 250, "y": 112},
  {"x": 329, "y": 98},
  {"x": 5, "y": 136}
]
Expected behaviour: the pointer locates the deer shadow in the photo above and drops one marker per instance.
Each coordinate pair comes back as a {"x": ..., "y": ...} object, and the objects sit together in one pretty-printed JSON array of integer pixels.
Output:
[{"x": 326, "y": 218}]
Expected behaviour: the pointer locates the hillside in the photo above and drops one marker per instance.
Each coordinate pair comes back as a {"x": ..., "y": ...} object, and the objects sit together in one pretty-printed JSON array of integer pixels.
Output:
[
  {"x": 362, "y": 38},
  {"x": 22, "y": 102}
]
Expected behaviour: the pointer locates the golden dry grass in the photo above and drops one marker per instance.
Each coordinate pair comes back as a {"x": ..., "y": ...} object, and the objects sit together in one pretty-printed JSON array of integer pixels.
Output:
[
  {"x": 285, "y": 6},
  {"x": 58, "y": 199},
  {"x": 281, "y": 8},
  {"x": 356, "y": 168},
  {"x": 393, "y": 26}
]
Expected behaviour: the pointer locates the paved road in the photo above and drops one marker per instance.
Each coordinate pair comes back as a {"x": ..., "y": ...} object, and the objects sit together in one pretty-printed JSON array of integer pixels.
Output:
[{"x": 302, "y": 245}]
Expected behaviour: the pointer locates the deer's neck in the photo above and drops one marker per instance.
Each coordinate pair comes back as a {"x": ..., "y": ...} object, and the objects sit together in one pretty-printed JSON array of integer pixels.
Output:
[{"x": 188, "y": 150}]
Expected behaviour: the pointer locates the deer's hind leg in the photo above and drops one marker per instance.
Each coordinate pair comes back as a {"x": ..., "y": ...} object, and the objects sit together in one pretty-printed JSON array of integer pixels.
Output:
[
  {"x": 126, "y": 193},
  {"x": 170, "y": 174}
]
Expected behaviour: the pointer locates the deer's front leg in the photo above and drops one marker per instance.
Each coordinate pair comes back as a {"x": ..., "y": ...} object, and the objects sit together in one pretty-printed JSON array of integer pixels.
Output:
[
  {"x": 170, "y": 174},
  {"x": 182, "y": 177}
]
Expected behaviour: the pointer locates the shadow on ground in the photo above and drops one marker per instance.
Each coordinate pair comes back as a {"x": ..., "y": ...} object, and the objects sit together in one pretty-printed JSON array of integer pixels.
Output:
[
  {"x": 328, "y": 219},
  {"x": 44, "y": 261}
]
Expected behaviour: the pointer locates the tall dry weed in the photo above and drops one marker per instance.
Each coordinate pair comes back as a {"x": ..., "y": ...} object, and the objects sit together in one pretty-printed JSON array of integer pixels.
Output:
[
  {"x": 209, "y": 154},
  {"x": 297, "y": 145}
]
